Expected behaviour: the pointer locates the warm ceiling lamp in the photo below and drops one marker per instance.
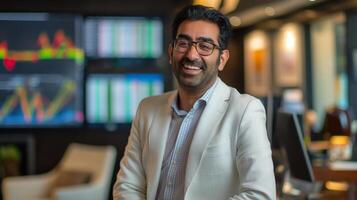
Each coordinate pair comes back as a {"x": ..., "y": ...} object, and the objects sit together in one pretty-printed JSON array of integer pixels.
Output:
[
  {"x": 229, "y": 6},
  {"x": 209, "y": 3},
  {"x": 225, "y": 6}
]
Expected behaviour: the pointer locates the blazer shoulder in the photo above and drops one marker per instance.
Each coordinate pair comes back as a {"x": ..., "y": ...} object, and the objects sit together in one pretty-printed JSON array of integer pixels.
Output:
[
  {"x": 154, "y": 102},
  {"x": 244, "y": 100}
]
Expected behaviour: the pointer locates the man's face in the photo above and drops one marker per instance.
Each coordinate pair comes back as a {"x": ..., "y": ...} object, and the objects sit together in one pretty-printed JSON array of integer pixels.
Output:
[{"x": 195, "y": 72}]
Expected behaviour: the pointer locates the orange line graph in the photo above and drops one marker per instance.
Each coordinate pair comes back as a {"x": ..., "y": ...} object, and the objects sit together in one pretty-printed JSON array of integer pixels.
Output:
[{"x": 36, "y": 104}]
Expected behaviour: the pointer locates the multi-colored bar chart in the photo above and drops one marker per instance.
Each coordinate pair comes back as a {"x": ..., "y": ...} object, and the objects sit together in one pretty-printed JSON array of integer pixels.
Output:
[
  {"x": 123, "y": 37},
  {"x": 115, "y": 98}
]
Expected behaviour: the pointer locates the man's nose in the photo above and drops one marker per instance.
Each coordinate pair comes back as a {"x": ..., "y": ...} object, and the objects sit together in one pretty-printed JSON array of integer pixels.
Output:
[{"x": 192, "y": 53}]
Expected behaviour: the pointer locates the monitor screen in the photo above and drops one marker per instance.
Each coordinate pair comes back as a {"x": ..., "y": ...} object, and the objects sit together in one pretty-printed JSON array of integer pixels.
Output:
[
  {"x": 293, "y": 100},
  {"x": 115, "y": 98},
  {"x": 123, "y": 37},
  {"x": 41, "y": 66},
  {"x": 289, "y": 134}
]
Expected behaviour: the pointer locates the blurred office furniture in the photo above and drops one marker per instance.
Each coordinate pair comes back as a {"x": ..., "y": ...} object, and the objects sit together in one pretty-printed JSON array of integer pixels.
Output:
[
  {"x": 342, "y": 172},
  {"x": 336, "y": 171},
  {"x": 300, "y": 178},
  {"x": 354, "y": 140},
  {"x": 292, "y": 101},
  {"x": 85, "y": 172},
  {"x": 304, "y": 180},
  {"x": 310, "y": 121},
  {"x": 337, "y": 122},
  {"x": 271, "y": 103}
]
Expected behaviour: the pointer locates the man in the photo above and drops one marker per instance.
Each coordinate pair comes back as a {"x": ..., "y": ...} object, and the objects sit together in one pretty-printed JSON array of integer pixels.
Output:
[{"x": 203, "y": 140}]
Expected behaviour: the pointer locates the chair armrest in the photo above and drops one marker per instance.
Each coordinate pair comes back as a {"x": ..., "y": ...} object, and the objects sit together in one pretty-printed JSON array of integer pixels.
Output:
[{"x": 25, "y": 187}]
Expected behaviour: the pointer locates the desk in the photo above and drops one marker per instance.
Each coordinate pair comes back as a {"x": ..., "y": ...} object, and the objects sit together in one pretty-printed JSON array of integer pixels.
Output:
[{"x": 325, "y": 173}]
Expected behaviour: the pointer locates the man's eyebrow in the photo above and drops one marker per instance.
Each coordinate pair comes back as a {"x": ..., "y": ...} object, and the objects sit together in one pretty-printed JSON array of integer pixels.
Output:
[
  {"x": 201, "y": 39},
  {"x": 206, "y": 39},
  {"x": 184, "y": 36}
]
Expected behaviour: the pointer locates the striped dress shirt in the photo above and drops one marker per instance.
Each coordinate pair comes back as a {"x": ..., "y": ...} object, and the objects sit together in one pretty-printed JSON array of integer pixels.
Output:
[{"x": 182, "y": 127}]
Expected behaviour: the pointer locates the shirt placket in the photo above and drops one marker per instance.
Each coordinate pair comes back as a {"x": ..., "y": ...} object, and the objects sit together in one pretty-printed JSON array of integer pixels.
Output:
[{"x": 177, "y": 156}]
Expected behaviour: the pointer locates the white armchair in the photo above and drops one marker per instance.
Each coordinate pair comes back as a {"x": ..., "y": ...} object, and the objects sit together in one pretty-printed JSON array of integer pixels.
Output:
[{"x": 98, "y": 161}]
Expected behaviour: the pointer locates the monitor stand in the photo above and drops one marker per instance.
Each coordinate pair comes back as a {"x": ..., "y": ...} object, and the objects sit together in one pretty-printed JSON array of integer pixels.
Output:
[{"x": 293, "y": 188}]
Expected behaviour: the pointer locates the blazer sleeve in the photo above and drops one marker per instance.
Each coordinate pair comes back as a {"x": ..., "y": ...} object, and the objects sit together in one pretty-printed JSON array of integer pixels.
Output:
[
  {"x": 131, "y": 182},
  {"x": 253, "y": 158}
]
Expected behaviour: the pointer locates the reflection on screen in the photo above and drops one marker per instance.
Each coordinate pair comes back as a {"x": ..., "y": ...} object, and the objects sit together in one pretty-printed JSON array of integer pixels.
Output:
[{"x": 115, "y": 98}]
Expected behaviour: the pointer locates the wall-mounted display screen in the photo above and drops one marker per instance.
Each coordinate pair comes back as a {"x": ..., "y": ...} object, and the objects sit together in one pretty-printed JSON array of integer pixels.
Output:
[
  {"x": 123, "y": 37},
  {"x": 115, "y": 98},
  {"x": 41, "y": 67}
]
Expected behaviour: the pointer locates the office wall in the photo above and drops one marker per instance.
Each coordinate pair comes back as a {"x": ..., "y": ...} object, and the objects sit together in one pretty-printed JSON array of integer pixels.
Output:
[{"x": 323, "y": 65}]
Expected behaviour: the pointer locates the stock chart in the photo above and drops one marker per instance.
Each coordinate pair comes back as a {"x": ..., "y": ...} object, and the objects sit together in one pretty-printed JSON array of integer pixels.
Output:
[{"x": 41, "y": 67}]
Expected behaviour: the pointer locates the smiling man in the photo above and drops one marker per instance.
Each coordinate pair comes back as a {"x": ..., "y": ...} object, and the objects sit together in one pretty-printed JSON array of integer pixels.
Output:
[{"x": 204, "y": 140}]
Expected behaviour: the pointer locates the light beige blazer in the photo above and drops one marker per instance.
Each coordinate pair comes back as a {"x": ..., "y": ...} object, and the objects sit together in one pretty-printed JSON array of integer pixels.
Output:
[{"x": 230, "y": 155}]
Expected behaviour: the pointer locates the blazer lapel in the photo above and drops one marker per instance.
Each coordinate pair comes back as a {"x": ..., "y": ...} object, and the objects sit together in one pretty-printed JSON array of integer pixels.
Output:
[
  {"x": 210, "y": 118},
  {"x": 157, "y": 143}
]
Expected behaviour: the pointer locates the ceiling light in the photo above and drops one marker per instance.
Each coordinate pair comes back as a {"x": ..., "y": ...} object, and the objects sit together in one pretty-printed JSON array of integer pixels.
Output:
[
  {"x": 209, "y": 3},
  {"x": 229, "y": 6},
  {"x": 235, "y": 21},
  {"x": 269, "y": 11}
]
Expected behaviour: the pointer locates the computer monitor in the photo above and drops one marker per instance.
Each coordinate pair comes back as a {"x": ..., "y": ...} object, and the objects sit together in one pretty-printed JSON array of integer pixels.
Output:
[
  {"x": 289, "y": 135},
  {"x": 293, "y": 100},
  {"x": 114, "y": 98},
  {"x": 123, "y": 37},
  {"x": 41, "y": 70}
]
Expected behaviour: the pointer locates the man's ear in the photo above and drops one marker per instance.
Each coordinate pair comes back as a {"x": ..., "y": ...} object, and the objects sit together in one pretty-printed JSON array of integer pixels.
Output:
[
  {"x": 170, "y": 52},
  {"x": 223, "y": 59}
]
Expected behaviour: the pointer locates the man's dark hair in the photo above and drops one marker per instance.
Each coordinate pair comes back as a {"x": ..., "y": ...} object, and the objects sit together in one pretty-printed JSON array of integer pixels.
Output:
[{"x": 198, "y": 12}]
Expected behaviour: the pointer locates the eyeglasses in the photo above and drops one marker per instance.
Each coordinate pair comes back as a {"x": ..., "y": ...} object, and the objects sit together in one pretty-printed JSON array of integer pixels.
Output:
[{"x": 203, "y": 48}]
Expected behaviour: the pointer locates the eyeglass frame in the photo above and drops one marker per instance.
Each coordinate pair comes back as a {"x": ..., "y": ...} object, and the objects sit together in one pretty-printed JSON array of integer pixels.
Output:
[{"x": 194, "y": 43}]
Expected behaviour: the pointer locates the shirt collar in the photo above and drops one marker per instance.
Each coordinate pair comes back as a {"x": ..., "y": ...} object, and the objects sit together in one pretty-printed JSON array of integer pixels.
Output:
[{"x": 203, "y": 99}]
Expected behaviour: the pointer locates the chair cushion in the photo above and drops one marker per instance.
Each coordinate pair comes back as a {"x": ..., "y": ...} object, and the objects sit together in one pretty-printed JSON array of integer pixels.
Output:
[{"x": 67, "y": 178}]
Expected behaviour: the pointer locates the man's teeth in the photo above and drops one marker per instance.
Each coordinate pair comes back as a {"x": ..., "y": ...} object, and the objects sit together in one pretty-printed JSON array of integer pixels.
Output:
[{"x": 192, "y": 67}]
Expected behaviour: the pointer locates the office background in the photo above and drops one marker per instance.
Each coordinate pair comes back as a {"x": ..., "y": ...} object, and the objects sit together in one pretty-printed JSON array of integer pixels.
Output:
[{"x": 305, "y": 51}]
